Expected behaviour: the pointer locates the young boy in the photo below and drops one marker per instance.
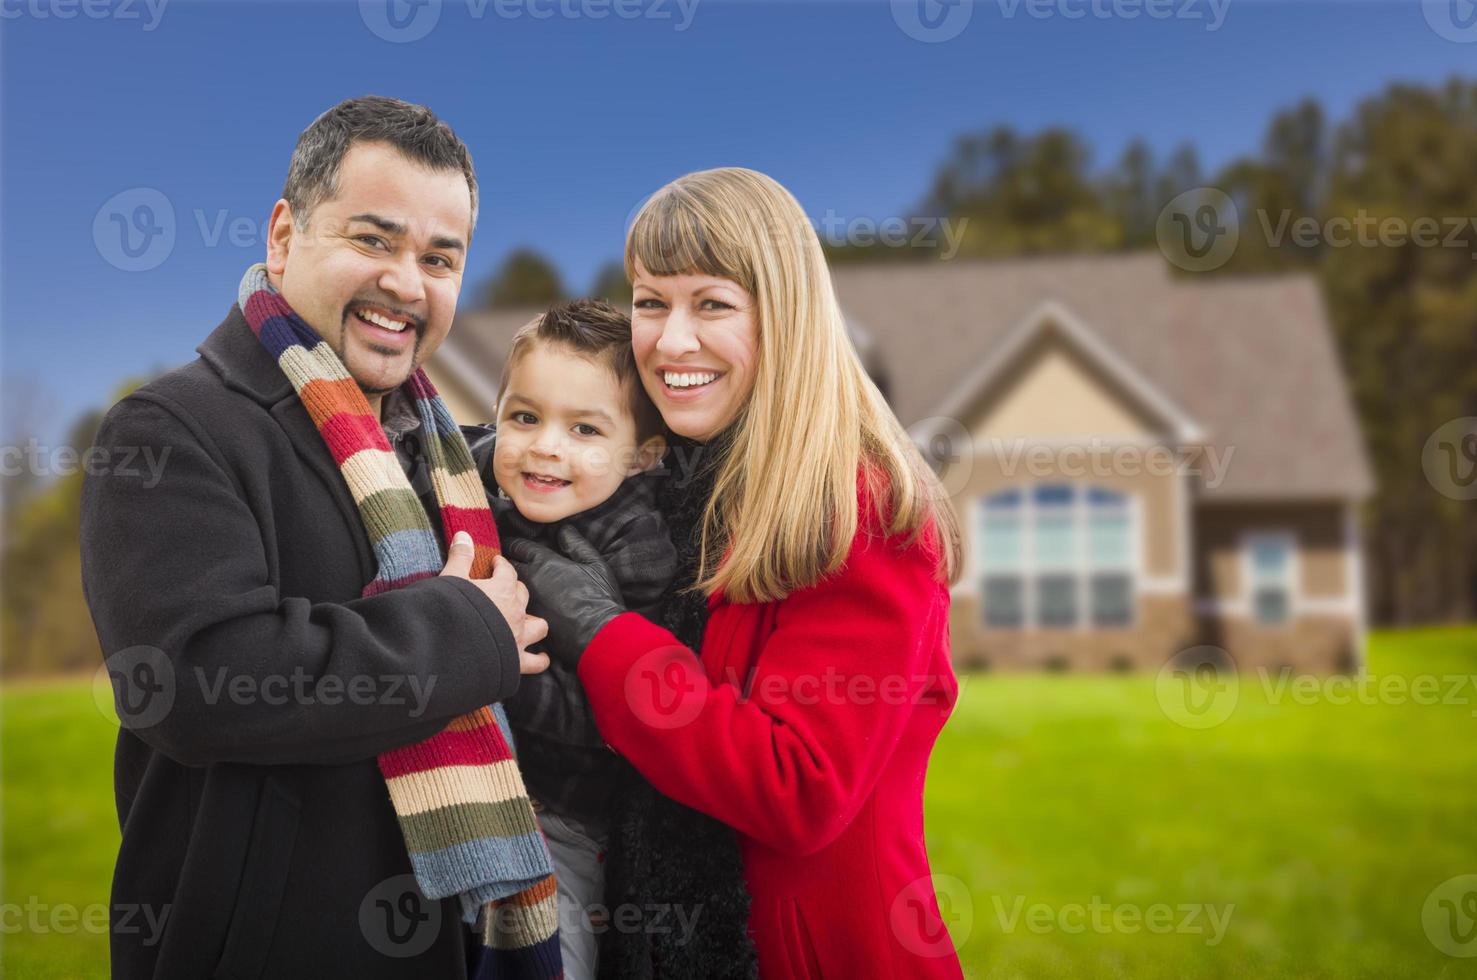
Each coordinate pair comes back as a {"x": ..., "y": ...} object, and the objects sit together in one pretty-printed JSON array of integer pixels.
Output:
[{"x": 575, "y": 434}]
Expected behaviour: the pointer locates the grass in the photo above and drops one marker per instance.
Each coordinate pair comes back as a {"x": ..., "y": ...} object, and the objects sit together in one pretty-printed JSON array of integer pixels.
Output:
[
  {"x": 1315, "y": 830},
  {"x": 60, "y": 829}
]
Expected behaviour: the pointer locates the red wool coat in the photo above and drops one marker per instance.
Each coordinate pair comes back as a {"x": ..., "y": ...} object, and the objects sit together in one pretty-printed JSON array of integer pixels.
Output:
[{"x": 807, "y": 727}]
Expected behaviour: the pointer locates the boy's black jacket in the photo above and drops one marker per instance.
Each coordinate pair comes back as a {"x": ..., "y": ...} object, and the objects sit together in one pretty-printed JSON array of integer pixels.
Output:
[
  {"x": 664, "y": 856},
  {"x": 565, "y": 762}
]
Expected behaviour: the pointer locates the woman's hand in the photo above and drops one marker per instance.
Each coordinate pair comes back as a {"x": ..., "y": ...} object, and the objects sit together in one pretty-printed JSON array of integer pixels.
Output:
[{"x": 576, "y": 592}]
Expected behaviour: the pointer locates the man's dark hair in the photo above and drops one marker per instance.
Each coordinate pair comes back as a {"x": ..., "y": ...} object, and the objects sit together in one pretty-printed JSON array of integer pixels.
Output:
[
  {"x": 597, "y": 331},
  {"x": 414, "y": 130}
]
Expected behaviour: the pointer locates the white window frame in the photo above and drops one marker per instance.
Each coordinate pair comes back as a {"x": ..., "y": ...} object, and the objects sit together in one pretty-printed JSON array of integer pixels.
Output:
[
  {"x": 1081, "y": 569},
  {"x": 1292, "y": 574}
]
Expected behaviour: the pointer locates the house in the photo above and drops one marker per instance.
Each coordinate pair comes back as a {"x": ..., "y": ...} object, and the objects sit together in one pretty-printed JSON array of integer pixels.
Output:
[{"x": 1142, "y": 463}]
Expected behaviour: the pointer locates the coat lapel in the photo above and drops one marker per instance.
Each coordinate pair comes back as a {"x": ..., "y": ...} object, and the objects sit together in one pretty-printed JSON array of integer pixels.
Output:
[{"x": 244, "y": 365}]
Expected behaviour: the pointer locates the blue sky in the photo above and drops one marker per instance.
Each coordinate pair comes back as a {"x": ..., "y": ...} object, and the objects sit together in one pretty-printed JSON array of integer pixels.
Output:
[{"x": 573, "y": 120}]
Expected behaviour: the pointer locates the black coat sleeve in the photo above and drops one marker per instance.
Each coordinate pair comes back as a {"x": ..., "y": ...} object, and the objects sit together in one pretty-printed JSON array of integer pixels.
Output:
[{"x": 180, "y": 567}]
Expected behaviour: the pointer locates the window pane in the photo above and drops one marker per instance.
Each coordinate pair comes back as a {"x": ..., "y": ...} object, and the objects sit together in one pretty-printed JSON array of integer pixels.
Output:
[
  {"x": 1003, "y": 596},
  {"x": 1055, "y": 543},
  {"x": 1002, "y": 542},
  {"x": 1269, "y": 558},
  {"x": 1053, "y": 493},
  {"x": 1112, "y": 600},
  {"x": 1108, "y": 543},
  {"x": 1056, "y": 600},
  {"x": 1271, "y": 606},
  {"x": 1006, "y": 499}
]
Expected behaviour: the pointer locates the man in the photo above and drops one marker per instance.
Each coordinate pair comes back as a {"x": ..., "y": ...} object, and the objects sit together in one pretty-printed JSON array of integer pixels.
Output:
[{"x": 259, "y": 672}]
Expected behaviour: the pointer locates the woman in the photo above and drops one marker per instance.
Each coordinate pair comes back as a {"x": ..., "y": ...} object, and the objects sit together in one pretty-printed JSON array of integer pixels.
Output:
[{"x": 823, "y": 553}]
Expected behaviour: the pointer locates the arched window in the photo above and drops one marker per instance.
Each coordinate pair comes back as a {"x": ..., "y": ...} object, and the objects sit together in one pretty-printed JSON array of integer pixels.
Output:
[{"x": 1056, "y": 555}]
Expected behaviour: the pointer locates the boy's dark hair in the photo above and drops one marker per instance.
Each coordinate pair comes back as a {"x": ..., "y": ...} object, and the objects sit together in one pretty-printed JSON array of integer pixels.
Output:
[
  {"x": 593, "y": 329},
  {"x": 414, "y": 130}
]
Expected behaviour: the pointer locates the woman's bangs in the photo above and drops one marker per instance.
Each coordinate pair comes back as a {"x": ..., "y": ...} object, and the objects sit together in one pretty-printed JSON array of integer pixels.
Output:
[{"x": 671, "y": 237}]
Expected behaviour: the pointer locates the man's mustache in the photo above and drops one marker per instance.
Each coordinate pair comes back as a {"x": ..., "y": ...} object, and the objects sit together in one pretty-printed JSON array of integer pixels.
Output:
[{"x": 418, "y": 322}]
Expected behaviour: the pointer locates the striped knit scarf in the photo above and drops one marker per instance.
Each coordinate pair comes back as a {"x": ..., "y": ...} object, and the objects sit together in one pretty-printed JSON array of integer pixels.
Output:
[{"x": 468, "y": 823}]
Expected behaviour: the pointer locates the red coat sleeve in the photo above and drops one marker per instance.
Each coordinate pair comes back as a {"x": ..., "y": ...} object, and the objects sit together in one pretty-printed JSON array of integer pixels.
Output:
[{"x": 835, "y": 683}]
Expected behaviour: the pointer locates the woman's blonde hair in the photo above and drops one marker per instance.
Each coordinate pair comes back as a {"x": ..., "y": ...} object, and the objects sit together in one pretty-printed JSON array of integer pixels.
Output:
[{"x": 785, "y": 501}]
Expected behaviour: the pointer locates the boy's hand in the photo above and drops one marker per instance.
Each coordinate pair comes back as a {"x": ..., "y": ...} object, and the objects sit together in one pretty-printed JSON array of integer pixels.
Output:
[
  {"x": 577, "y": 594},
  {"x": 508, "y": 594}
]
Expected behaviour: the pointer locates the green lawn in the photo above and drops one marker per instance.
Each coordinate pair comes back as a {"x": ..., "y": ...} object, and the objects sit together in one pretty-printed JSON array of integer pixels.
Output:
[{"x": 1063, "y": 813}]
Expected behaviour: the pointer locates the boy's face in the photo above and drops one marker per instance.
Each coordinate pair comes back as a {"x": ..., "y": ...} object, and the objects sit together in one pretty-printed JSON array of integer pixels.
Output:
[{"x": 565, "y": 435}]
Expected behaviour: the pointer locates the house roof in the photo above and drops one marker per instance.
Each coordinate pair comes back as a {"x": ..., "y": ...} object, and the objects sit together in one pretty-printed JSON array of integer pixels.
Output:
[
  {"x": 1248, "y": 362},
  {"x": 472, "y": 354},
  {"x": 1053, "y": 319},
  {"x": 1234, "y": 363}
]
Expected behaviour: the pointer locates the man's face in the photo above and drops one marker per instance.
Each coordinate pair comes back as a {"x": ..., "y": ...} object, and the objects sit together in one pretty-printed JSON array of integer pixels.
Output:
[{"x": 377, "y": 270}]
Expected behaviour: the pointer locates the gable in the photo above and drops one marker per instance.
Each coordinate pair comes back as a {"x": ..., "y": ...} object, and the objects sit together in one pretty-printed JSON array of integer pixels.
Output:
[
  {"x": 1053, "y": 393},
  {"x": 1228, "y": 362}
]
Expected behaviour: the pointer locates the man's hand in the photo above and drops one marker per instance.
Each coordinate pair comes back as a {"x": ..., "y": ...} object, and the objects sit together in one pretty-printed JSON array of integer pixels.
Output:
[{"x": 508, "y": 594}]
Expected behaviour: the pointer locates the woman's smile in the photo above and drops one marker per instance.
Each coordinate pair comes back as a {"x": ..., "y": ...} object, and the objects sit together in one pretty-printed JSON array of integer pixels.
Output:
[{"x": 687, "y": 385}]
